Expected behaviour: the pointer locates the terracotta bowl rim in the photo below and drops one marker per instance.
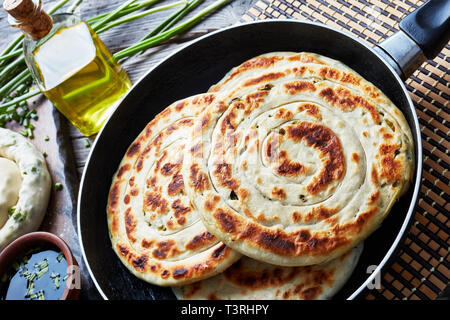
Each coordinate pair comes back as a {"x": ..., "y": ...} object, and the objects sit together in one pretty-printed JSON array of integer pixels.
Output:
[{"x": 18, "y": 247}]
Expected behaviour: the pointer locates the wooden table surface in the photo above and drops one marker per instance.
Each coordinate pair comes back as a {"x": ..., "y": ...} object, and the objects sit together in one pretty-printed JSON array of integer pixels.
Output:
[{"x": 116, "y": 39}]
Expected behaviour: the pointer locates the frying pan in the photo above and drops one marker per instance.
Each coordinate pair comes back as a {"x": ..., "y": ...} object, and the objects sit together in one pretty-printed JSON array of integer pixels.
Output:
[{"x": 194, "y": 68}]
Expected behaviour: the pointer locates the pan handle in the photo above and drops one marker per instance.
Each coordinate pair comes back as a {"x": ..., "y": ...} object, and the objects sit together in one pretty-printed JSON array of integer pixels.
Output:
[{"x": 422, "y": 36}]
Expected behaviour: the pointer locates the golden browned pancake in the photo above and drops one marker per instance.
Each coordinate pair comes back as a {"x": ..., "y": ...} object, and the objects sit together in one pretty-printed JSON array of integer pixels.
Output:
[
  {"x": 250, "y": 279},
  {"x": 154, "y": 228},
  {"x": 297, "y": 162}
]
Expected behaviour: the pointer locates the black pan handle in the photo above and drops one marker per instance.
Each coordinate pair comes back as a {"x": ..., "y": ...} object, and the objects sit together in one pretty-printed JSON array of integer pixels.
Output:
[
  {"x": 429, "y": 26},
  {"x": 422, "y": 36}
]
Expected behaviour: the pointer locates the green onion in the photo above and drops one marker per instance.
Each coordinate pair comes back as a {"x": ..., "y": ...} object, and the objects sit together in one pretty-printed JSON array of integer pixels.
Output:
[
  {"x": 43, "y": 264},
  {"x": 153, "y": 41},
  {"x": 139, "y": 15},
  {"x": 42, "y": 272},
  {"x": 86, "y": 143},
  {"x": 60, "y": 256},
  {"x": 58, "y": 186},
  {"x": 41, "y": 295},
  {"x": 74, "y": 6},
  {"x": 30, "y": 288},
  {"x": 113, "y": 14}
]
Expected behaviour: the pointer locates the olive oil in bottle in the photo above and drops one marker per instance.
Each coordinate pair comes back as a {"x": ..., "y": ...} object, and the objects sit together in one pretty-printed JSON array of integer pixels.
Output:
[{"x": 71, "y": 65}]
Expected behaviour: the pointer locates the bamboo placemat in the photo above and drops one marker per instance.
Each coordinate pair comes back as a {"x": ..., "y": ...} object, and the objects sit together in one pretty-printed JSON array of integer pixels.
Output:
[{"x": 421, "y": 269}]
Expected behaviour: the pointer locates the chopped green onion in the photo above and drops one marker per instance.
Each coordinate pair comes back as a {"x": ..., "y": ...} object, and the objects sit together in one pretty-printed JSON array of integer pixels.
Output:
[
  {"x": 86, "y": 143},
  {"x": 58, "y": 186},
  {"x": 43, "y": 264},
  {"x": 30, "y": 288},
  {"x": 42, "y": 272}
]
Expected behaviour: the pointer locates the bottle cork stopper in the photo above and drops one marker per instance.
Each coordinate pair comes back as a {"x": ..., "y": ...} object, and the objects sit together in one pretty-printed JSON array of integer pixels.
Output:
[{"x": 30, "y": 17}]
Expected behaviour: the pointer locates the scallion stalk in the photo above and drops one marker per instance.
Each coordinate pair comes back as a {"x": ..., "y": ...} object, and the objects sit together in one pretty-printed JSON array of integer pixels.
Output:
[
  {"x": 151, "y": 42},
  {"x": 139, "y": 15}
]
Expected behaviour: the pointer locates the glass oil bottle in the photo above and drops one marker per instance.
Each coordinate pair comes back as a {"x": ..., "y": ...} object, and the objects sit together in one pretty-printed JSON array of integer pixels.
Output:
[{"x": 69, "y": 62}]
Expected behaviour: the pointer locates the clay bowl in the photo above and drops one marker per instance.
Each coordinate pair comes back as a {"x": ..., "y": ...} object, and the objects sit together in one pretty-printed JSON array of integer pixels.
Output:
[{"x": 26, "y": 242}]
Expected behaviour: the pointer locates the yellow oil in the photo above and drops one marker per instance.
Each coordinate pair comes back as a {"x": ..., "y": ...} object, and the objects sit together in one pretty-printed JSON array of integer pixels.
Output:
[{"x": 87, "y": 95}]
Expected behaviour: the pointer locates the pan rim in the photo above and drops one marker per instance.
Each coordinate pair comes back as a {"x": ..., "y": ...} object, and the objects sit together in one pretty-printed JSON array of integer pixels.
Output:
[{"x": 416, "y": 133}]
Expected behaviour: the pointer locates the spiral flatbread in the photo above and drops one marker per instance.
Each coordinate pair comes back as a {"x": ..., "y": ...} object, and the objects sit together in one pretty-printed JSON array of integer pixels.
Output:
[
  {"x": 296, "y": 165},
  {"x": 154, "y": 228}
]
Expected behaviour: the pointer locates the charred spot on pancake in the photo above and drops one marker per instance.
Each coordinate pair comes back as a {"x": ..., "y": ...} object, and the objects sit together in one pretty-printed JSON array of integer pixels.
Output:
[
  {"x": 167, "y": 169},
  {"x": 134, "y": 149},
  {"x": 122, "y": 249},
  {"x": 198, "y": 179},
  {"x": 155, "y": 202},
  {"x": 329, "y": 73},
  {"x": 200, "y": 240},
  {"x": 163, "y": 248},
  {"x": 299, "y": 86},
  {"x": 277, "y": 242},
  {"x": 165, "y": 274},
  {"x": 343, "y": 99},
  {"x": 391, "y": 169},
  {"x": 122, "y": 170},
  {"x": 263, "y": 78},
  {"x": 176, "y": 185},
  {"x": 283, "y": 113},
  {"x": 304, "y": 235},
  {"x": 374, "y": 175},
  {"x": 290, "y": 169},
  {"x": 140, "y": 262},
  {"x": 219, "y": 252},
  {"x": 130, "y": 224},
  {"x": 180, "y": 106},
  {"x": 374, "y": 197},
  {"x": 310, "y": 293},
  {"x": 310, "y": 109},
  {"x": 146, "y": 243},
  {"x": 179, "y": 273},
  {"x": 196, "y": 150},
  {"x": 255, "y": 63},
  {"x": 278, "y": 193},
  {"x": 227, "y": 222},
  {"x": 223, "y": 174},
  {"x": 114, "y": 196},
  {"x": 179, "y": 209}
]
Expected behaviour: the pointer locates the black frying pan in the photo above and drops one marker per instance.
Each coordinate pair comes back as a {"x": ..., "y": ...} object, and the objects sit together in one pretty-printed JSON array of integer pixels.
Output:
[{"x": 197, "y": 66}]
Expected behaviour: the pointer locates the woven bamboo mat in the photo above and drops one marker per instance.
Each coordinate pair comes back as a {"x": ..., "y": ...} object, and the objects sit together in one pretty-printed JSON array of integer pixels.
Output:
[{"x": 422, "y": 268}]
